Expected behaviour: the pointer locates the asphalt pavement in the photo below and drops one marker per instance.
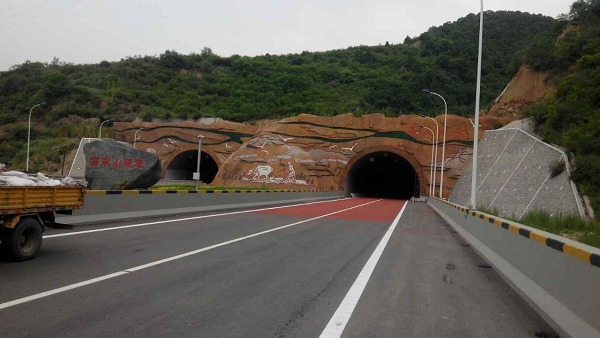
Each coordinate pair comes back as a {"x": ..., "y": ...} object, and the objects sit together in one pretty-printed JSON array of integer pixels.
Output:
[{"x": 275, "y": 272}]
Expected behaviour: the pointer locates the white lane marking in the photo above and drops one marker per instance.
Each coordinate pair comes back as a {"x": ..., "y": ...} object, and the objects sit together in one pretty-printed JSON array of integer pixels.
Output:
[
  {"x": 182, "y": 219},
  {"x": 340, "y": 318},
  {"x": 59, "y": 290},
  {"x": 162, "y": 261}
]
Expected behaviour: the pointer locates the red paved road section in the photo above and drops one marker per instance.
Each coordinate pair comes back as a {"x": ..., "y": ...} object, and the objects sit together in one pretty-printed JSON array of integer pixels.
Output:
[{"x": 382, "y": 211}]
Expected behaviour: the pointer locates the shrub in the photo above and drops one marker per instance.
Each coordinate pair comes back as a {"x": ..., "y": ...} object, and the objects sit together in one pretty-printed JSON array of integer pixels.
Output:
[{"x": 557, "y": 168}]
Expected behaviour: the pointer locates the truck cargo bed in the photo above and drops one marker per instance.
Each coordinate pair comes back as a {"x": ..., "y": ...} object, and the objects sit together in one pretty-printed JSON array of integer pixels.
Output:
[{"x": 16, "y": 200}]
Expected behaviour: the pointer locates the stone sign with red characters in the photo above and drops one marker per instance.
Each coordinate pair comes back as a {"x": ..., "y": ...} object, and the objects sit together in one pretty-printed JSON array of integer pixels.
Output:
[{"x": 114, "y": 165}]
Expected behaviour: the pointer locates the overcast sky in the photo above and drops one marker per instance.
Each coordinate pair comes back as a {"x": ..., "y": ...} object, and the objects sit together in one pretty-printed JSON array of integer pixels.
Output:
[{"x": 89, "y": 31}]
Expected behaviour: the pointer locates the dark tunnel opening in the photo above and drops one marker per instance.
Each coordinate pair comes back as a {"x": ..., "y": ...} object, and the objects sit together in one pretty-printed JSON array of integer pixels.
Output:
[
  {"x": 382, "y": 174},
  {"x": 183, "y": 166}
]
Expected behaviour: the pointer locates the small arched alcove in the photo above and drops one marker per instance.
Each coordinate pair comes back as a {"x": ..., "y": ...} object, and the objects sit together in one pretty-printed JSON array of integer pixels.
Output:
[{"x": 183, "y": 166}]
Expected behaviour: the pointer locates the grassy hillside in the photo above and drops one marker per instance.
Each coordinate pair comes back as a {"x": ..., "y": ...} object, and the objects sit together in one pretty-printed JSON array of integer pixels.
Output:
[
  {"x": 571, "y": 118},
  {"x": 385, "y": 78}
]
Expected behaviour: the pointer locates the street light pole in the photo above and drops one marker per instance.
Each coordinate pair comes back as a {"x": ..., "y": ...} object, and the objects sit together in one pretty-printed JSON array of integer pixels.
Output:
[
  {"x": 437, "y": 140},
  {"x": 100, "y": 130},
  {"x": 426, "y": 91},
  {"x": 432, "y": 161},
  {"x": 62, "y": 170},
  {"x": 62, "y": 151},
  {"x": 29, "y": 135},
  {"x": 476, "y": 123},
  {"x": 135, "y": 138},
  {"x": 200, "y": 137}
]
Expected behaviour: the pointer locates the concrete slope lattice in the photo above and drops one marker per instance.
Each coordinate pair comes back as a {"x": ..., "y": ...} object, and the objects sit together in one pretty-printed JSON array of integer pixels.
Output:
[{"x": 513, "y": 176}]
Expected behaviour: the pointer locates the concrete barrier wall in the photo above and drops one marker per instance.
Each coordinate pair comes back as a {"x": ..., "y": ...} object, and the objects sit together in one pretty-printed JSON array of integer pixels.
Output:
[
  {"x": 106, "y": 205},
  {"x": 559, "y": 277}
]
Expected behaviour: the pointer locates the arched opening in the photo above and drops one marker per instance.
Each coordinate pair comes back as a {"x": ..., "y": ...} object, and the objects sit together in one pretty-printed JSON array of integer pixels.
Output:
[
  {"x": 382, "y": 174},
  {"x": 183, "y": 166}
]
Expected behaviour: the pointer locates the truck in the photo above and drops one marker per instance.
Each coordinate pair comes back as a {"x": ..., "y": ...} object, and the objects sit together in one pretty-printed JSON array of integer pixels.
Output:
[{"x": 26, "y": 211}]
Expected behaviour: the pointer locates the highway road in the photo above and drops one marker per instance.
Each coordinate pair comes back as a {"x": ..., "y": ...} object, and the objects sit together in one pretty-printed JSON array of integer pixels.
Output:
[{"x": 359, "y": 267}]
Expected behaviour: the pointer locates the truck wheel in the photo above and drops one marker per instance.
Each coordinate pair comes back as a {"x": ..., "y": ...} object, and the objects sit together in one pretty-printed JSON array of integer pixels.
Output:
[{"x": 24, "y": 241}]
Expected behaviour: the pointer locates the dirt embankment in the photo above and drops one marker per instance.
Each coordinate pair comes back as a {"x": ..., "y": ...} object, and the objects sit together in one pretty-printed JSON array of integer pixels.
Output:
[{"x": 526, "y": 87}]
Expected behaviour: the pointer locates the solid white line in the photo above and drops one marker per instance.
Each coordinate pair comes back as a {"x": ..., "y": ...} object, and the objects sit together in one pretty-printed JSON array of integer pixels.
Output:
[
  {"x": 59, "y": 290},
  {"x": 162, "y": 261},
  {"x": 340, "y": 318},
  {"x": 182, "y": 219}
]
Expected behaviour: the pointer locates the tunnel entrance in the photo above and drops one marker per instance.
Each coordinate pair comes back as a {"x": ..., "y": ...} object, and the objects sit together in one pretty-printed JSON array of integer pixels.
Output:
[
  {"x": 382, "y": 174},
  {"x": 183, "y": 166}
]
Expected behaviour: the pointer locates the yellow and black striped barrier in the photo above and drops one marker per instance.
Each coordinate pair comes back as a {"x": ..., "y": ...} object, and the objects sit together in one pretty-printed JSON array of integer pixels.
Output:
[
  {"x": 207, "y": 191},
  {"x": 579, "y": 253}
]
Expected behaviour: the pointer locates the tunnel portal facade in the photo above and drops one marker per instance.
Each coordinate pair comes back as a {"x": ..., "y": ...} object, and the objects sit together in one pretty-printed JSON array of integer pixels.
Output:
[
  {"x": 371, "y": 155},
  {"x": 381, "y": 172}
]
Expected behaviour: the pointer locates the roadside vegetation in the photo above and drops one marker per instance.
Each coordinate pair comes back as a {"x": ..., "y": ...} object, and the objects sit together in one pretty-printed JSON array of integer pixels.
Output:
[
  {"x": 571, "y": 117},
  {"x": 586, "y": 231},
  {"x": 364, "y": 79},
  {"x": 49, "y": 141},
  {"x": 574, "y": 227}
]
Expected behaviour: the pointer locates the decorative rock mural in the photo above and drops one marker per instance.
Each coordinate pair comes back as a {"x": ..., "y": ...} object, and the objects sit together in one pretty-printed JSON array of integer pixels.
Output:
[
  {"x": 176, "y": 144},
  {"x": 309, "y": 152}
]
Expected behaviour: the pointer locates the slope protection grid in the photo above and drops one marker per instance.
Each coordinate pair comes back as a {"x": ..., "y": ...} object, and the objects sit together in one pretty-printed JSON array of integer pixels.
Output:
[{"x": 513, "y": 176}]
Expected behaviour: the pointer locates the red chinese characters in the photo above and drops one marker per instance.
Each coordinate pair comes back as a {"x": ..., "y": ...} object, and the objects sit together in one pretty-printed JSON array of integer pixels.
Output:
[
  {"x": 116, "y": 162},
  {"x": 94, "y": 161}
]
